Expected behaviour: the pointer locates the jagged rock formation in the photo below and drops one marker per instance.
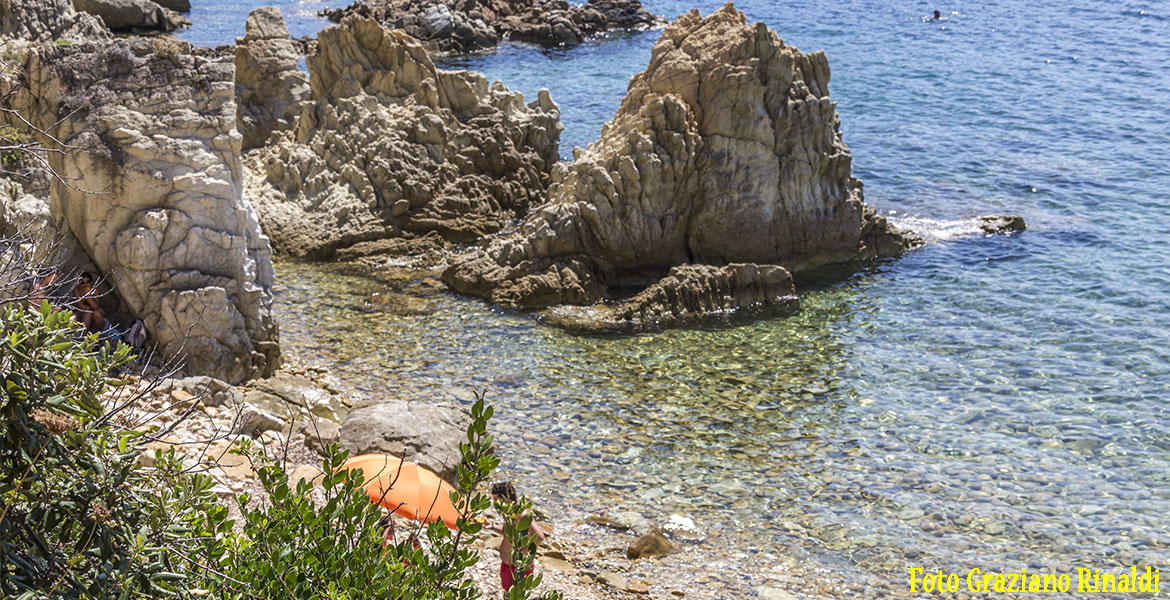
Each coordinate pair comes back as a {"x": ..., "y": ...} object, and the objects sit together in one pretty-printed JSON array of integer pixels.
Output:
[
  {"x": 687, "y": 293},
  {"x": 152, "y": 191},
  {"x": 726, "y": 149},
  {"x": 269, "y": 86},
  {"x": 471, "y": 25},
  {"x": 133, "y": 15},
  {"x": 389, "y": 146},
  {"x": 48, "y": 20}
]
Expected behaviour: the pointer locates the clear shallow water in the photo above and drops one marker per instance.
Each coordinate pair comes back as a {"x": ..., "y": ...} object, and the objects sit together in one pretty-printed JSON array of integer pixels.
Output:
[{"x": 986, "y": 402}]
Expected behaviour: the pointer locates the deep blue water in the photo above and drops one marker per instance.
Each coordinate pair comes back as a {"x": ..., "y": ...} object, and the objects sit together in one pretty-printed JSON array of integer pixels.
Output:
[{"x": 992, "y": 402}]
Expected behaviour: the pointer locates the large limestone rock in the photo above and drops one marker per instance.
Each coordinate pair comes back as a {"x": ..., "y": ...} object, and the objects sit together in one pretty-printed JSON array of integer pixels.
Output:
[
  {"x": 426, "y": 433},
  {"x": 132, "y": 15},
  {"x": 471, "y": 25},
  {"x": 152, "y": 190},
  {"x": 48, "y": 20},
  {"x": 726, "y": 149},
  {"x": 269, "y": 86},
  {"x": 389, "y": 146}
]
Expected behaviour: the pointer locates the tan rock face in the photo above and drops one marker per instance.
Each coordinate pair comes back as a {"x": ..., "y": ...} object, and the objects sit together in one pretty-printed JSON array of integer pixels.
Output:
[
  {"x": 270, "y": 88},
  {"x": 391, "y": 146},
  {"x": 725, "y": 149},
  {"x": 154, "y": 194}
]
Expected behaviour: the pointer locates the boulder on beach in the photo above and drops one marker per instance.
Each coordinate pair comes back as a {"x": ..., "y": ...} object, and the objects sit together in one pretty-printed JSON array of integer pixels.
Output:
[
  {"x": 390, "y": 146},
  {"x": 426, "y": 433},
  {"x": 470, "y": 25},
  {"x": 726, "y": 149},
  {"x": 270, "y": 87},
  {"x": 151, "y": 189}
]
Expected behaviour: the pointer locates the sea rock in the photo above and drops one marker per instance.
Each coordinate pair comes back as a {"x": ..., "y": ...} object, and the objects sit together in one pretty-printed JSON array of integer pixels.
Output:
[
  {"x": 49, "y": 21},
  {"x": 469, "y": 25},
  {"x": 389, "y": 145},
  {"x": 726, "y": 149},
  {"x": 651, "y": 543},
  {"x": 154, "y": 193},
  {"x": 688, "y": 292},
  {"x": 1002, "y": 224},
  {"x": 133, "y": 15},
  {"x": 426, "y": 433},
  {"x": 270, "y": 87}
]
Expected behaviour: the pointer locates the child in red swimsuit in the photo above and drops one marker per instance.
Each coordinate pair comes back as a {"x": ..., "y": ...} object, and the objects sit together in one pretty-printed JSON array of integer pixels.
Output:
[{"x": 504, "y": 491}]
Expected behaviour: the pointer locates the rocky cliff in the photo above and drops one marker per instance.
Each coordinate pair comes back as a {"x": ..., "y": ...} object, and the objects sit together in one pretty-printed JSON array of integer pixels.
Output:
[
  {"x": 390, "y": 146},
  {"x": 151, "y": 187},
  {"x": 726, "y": 149},
  {"x": 270, "y": 87},
  {"x": 48, "y": 21},
  {"x": 471, "y": 25}
]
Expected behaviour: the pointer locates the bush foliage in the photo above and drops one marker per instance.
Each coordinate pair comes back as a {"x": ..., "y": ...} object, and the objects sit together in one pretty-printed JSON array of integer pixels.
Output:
[{"x": 82, "y": 518}]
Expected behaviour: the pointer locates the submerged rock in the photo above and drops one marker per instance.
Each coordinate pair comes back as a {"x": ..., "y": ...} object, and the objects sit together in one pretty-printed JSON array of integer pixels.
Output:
[
  {"x": 154, "y": 193},
  {"x": 726, "y": 149},
  {"x": 651, "y": 543},
  {"x": 687, "y": 293},
  {"x": 389, "y": 144},
  {"x": 270, "y": 87},
  {"x": 470, "y": 25}
]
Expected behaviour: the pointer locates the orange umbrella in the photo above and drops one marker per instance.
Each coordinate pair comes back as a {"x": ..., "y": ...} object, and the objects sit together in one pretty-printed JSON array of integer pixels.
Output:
[{"x": 404, "y": 487}]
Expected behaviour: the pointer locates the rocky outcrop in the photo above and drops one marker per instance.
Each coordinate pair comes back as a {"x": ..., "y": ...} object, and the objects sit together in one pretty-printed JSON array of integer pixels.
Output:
[
  {"x": 726, "y": 149},
  {"x": 471, "y": 25},
  {"x": 152, "y": 191},
  {"x": 49, "y": 21},
  {"x": 687, "y": 293},
  {"x": 133, "y": 15},
  {"x": 1001, "y": 224},
  {"x": 270, "y": 87},
  {"x": 428, "y": 434},
  {"x": 389, "y": 146}
]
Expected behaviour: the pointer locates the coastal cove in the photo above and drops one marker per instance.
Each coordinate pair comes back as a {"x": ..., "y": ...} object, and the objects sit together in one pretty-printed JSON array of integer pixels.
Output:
[
  {"x": 987, "y": 401},
  {"x": 851, "y": 380}
]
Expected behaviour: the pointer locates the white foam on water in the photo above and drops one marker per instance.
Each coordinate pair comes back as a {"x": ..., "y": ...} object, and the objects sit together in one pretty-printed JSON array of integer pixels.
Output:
[{"x": 937, "y": 230}]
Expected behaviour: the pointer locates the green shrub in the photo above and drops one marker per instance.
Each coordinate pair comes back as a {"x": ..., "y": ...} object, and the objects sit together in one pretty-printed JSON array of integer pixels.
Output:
[
  {"x": 294, "y": 549},
  {"x": 79, "y": 518}
]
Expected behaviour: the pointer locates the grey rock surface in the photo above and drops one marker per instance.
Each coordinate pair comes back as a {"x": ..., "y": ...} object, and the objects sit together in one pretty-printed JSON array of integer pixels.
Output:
[
  {"x": 49, "y": 20},
  {"x": 428, "y": 434}
]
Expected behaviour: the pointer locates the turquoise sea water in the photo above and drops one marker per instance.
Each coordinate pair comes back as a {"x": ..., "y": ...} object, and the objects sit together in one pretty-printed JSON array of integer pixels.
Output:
[{"x": 991, "y": 402}]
